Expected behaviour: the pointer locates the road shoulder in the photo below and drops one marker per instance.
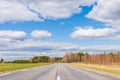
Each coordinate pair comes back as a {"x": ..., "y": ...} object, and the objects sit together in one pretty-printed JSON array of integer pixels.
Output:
[{"x": 96, "y": 71}]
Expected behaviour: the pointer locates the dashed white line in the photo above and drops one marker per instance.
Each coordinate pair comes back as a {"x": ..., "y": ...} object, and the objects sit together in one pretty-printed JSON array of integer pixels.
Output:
[{"x": 58, "y": 78}]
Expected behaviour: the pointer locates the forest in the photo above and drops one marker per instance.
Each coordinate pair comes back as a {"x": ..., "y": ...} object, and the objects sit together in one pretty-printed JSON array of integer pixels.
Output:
[
  {"x": 103, "y": 58},
  {"x": 69, "y": 57}
]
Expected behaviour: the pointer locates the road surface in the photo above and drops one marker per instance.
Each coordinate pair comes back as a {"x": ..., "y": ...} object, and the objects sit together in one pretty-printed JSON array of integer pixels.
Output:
[{"x": 57, "y": 71}]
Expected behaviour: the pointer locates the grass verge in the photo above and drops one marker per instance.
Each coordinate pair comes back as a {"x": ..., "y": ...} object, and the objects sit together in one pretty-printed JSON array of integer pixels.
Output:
[
  {"x": 112, "y": 69},
  {"x": 16, "y": 66}
]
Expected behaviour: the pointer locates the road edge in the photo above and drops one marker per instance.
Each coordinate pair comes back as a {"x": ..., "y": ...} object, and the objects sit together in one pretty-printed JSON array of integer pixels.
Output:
[
  {"x": 25, "y": 69},
  {"x": 97, "y": 71}
]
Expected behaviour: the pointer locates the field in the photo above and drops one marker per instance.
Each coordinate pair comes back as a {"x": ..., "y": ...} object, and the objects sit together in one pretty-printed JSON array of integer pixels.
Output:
[
  {"x": 15, "y": 66},
  {"x": 112, "y": 69}
]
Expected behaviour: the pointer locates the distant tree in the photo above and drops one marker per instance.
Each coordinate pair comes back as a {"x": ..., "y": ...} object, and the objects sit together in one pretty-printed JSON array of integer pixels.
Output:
[
  {"x": 80, "y": 55},
  {"x": 2, "y": 60},
  {"x": 58, "y": 59},
  {"x": 86, "y": 58},
  {"x": 21, "y": 61},
  {"x": 37, "y": 59}
]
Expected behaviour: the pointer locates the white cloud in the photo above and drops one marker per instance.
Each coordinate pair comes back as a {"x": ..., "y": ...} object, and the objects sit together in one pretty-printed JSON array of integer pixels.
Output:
[
  {"x": 55, "y": 9},
  {"x": 38, "y": 10},
  {"x": 30, "y": 48},
  {"x": 115, "y": 37},
  {"x": 45, "y": 46},
  {"x": 100, "y": 48},
  {"x": 12, "y": 35},
  {"x": 41, "y": 34},
  {"x": 62, "y": 23},
  {"x": 86, "y": 2},
  {"x": 107, "y": 11},
  {"x": 90, "y": 33},
  {"x": 12, "y": 10}
]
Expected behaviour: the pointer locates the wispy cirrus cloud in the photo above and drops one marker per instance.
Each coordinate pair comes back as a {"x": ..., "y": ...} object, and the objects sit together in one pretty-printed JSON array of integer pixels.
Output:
[{"x": 12, "y": 35}]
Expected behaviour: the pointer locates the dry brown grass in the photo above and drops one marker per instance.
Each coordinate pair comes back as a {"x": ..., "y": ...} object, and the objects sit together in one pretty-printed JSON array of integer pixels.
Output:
[{"x": 113, "y": 69}]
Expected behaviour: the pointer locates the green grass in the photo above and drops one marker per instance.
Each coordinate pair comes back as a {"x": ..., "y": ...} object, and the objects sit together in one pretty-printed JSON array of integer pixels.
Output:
[
  {"x": 15, "y": 66},
  {"x": 102, "y": 68}
]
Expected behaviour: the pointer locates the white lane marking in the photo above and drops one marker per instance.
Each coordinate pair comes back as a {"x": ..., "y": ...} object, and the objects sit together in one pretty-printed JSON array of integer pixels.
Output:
[{"x": 58, "y": 78}]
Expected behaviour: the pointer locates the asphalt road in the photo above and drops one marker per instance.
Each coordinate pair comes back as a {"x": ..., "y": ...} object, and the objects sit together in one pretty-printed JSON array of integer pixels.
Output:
[{"x": 55, "y": 72}]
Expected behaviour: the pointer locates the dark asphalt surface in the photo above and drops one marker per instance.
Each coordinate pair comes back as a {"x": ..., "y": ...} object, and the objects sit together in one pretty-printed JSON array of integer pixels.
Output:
[{"x": 57, "y": 71}]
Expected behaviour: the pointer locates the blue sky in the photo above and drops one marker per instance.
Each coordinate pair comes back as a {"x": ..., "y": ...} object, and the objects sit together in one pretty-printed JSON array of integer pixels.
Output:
[{"x": 37, "y": 27}]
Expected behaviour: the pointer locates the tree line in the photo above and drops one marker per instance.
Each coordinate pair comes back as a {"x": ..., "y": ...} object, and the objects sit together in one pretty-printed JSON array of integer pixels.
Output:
[
  {"x": 37, "y": 59},
  {"x": 103, "y": 58}
]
